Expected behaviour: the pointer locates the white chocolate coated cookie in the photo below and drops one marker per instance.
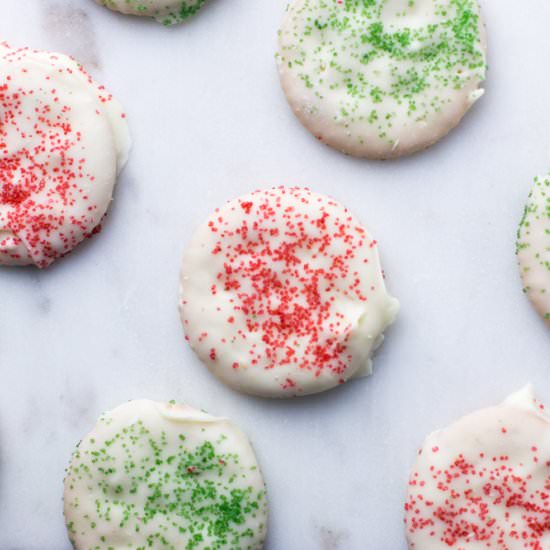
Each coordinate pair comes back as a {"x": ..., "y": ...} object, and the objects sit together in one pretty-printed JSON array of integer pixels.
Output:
[
  {"x": 484, "y": 482},
  {"x": 63, "y": 140},
  {"x": 164, "y": 476},
  {"x": 167, "y": 12},
  {"x": 381, "y": 78},
  {"x": 282, "y": 294},
  {"x": 533, "y": 247}
]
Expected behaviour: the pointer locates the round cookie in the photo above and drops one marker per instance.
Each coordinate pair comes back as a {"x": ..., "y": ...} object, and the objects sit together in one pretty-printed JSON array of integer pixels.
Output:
[
  {"x": 533, "y": 247},
  {"x": 383, "y": 78},
  {"x": 282, "y": 294},
  {"x": 155, "y": 475},
  {"x": 63, "y": 140},
  {"x": 167, "y": 12},
  {"x": 484, "y": 482}
]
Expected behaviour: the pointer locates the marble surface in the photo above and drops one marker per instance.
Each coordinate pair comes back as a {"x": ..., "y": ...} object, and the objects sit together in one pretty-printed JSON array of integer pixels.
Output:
[{"x": 209, "y": 122}]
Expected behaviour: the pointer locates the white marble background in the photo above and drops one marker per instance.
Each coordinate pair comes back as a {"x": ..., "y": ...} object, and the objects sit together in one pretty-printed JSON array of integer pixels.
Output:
[{"x": 209, "y": 123}]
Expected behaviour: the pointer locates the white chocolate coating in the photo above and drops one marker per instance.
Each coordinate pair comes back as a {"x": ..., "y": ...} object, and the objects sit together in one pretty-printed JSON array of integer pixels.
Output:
[
  {"x": 62, "y": 143},
  {"x": 381, "y": 79},
  {"x": 484, "y": 482},
  {"x": 533, "y": 247},
  {"x": 167, "y": 12},
  {"x": 282, "y": 294},
  {"x": 154, "y": 475}
]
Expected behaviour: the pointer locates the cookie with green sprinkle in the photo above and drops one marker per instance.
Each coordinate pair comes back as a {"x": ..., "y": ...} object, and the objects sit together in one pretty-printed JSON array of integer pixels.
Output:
[
  {"x": 164, "y": 476},
  {"x": 382, "y": 78},
  {"x": 167, "y": 12},
  {"x": 533, "y": 247}
]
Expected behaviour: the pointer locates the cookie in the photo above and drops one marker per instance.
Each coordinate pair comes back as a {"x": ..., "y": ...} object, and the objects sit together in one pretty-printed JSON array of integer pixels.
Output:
[
  {"x": 155, "y": 475},
  {"x": 282, "y": 294},
  {"x": 533, "y": 247},
  {"x": 63, "y": 141},
  {"x": 167, "y": 12},
  {"x": 483, "y": 482},
  {"x": 383, "y": 78}
]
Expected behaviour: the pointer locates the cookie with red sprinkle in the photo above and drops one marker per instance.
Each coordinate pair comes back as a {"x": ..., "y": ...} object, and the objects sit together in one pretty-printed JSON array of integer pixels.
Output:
[
  {"x": 484, "y": 482},
  {"x": 63, "y": 141},
  {"x": 282, "y": 294}
]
